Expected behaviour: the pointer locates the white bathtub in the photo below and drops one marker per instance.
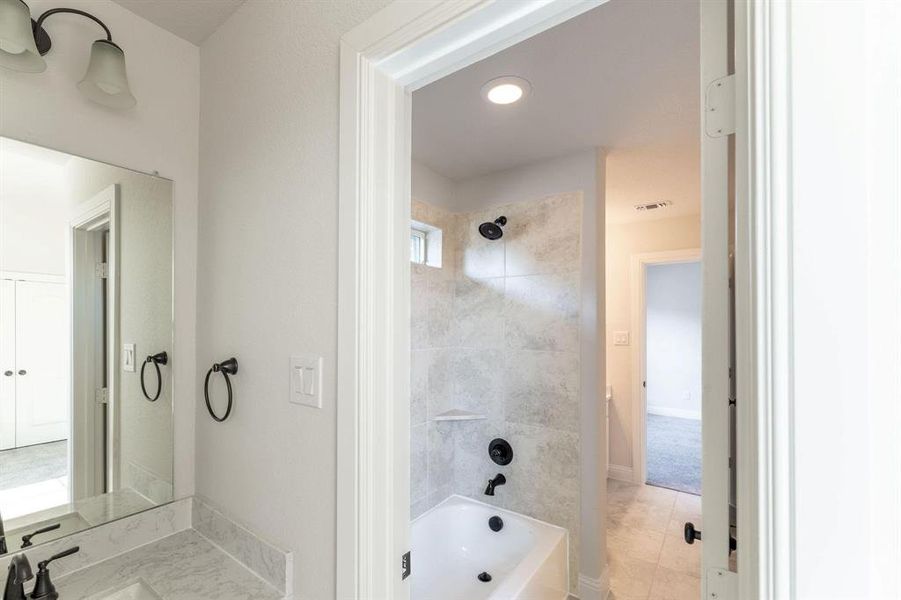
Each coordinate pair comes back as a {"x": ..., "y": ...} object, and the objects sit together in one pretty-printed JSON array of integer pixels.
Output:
[{"x": 452, "y": 544}]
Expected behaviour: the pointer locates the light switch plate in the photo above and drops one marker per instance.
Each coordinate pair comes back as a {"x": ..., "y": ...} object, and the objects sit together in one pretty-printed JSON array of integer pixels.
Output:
[
  {"x": 128, "y": 357},
  {"x": 620, "y": 338},
  {"x": 305, "y": 377}
]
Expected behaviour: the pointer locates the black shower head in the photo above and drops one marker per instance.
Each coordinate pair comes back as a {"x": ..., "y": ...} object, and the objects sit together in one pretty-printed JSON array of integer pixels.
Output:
[{"x": 493, "y": 231}]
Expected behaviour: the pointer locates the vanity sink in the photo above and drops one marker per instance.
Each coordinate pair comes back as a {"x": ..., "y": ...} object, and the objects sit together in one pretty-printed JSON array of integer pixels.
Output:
[{"x": 135, "y": 591}]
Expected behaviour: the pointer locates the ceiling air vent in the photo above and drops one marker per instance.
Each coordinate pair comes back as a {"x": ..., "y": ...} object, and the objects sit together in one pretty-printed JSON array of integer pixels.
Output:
[{"x": 652, "y": 206}]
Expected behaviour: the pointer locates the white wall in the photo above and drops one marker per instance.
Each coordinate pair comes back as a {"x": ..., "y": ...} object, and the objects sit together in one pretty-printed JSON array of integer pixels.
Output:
[
  {"x": 673, "y": 339},
  {"x": 33, "y": 217},
  {"x": 622, "y": 241},
  {"x": 160, "y": 134},
  {"x": 431, "y": 187},
  {"x": 268, "y": 270}
]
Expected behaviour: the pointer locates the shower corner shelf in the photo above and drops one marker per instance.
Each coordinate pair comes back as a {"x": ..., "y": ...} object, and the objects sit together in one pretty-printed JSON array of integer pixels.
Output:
[{"x": 458, "y": 415}]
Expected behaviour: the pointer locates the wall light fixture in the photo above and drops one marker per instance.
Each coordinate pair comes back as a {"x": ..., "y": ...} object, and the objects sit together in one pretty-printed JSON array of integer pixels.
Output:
[{"x": 24, "y": 42}]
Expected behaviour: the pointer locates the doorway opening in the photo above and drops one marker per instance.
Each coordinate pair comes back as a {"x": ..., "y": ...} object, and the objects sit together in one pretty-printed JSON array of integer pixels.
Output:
[
  {"x": 672, "y": 375},
  {"x": 94, "y": 293},
  {"x": 380, "y": 73},
  {"x": 513, "y": 184}
]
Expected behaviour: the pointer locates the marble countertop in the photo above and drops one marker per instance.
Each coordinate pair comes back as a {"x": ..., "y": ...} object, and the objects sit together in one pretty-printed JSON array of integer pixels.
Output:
[{"x": 182, "y": 566}]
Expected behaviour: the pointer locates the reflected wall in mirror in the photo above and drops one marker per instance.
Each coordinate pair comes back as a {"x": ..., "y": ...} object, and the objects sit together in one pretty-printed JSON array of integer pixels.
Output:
[{"x": 85, "y": 299}]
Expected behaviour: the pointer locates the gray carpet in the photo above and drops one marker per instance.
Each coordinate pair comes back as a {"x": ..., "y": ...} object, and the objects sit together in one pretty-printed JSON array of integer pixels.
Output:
[
  {"x": 33, "y": 464},
  {"x": 674, "y": 453}
]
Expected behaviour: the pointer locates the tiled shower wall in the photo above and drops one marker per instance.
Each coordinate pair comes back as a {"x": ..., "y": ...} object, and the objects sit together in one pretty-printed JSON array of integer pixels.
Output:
[
  {"x": 496, "y": 332},
  {"x": 432, "y": 335}
]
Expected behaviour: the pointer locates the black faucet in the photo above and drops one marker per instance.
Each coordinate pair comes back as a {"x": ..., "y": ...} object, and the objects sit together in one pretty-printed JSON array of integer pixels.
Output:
[
  {"x": 2, "y": 537},
  {"x": 26, "y": 539},
  {"x": 499, "y": 479},
  {"x": 20, "y": 572}
]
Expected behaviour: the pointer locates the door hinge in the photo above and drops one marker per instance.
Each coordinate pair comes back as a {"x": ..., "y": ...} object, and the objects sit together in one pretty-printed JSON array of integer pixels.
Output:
[
  {"x": 101, "y": 270},
  {"x": 722, "y": 584},
  {"x": 101, "y": 395},
  {"x": 405, "y": 567},
  {"x": 719, "y": 107}
]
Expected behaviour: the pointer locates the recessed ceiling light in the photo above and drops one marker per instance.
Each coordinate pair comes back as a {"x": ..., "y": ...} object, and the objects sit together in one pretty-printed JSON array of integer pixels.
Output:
[{"x": 506, "y": 90}]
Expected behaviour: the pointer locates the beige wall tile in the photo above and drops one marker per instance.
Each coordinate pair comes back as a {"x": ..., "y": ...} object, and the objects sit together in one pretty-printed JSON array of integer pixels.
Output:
[
  {"x": 542, "y": 388},
  {"x": 419, "y": 462},
  {"x": 479, "y": 312},
  {"x": 544, "y": 236},
  {"x": 541, "y": 312}
]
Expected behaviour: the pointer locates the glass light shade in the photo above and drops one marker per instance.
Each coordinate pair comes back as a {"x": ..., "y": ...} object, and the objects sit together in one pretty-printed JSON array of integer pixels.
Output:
[
  {"x": 105, "y": 81},
  {"x": 18, "y": 50}
]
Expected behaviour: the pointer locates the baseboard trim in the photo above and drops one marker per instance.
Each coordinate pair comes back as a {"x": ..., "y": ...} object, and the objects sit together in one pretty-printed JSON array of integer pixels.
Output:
[
  {"x": 594, "y": 589},
  {"x": 619, "y": 473},
  {"x": 664, "y": 411}
]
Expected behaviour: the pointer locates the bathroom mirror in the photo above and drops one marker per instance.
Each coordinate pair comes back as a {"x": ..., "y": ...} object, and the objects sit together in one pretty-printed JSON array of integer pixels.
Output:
[{"x": 85, "y": 343}]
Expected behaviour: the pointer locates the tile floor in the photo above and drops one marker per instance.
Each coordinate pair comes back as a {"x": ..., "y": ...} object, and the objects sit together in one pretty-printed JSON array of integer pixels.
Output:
[
  {"x": 33, "y": 464},
  {"x": 33, "y": 478},
  {"x": 646, "y": 553}
]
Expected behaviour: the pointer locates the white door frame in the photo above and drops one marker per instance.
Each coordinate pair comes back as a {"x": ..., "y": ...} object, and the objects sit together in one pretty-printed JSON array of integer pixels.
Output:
[
  {"x": 764, "y": 300},
  {"x": 638, "y": 285},
  {"x": 86, "y": 228},
  {"x": 408, "y": 45}
]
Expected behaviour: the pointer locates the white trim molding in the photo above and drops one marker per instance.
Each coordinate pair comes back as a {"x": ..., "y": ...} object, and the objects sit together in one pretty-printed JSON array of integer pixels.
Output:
[
  {"x": 764, "y": 300},
  {"x": 620, "y": 473},
  {"x": 679, "y": 413},
  {"x": 594, "y": 589},
  {"x": 28, "y": 276},
  {"x": 637, "y": 283}
]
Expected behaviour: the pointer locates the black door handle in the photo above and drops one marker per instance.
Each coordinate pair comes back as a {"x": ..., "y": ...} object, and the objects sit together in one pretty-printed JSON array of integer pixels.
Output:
[
  {"x": 691, "y": 534},
  {"x": 22, "y": 372},
  {"x": 8, "y": 373}
]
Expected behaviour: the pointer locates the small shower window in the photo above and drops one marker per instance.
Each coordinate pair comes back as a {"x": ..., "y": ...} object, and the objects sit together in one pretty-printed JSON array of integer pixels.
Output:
[
  {"x": 418, "y": 248},
  {"x": 425, "y": 244}
]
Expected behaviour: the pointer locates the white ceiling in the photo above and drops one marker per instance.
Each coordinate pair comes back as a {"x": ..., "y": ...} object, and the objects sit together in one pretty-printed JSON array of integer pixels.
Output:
[
  {"x": 624, "y": 76},
  {"x": 192, "y": 20}
]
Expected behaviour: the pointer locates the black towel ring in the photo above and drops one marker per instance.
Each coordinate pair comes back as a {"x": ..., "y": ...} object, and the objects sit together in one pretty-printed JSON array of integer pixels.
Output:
[
  {"x": 226, "y": 367},
  {"x": 160, "y": 358}
]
